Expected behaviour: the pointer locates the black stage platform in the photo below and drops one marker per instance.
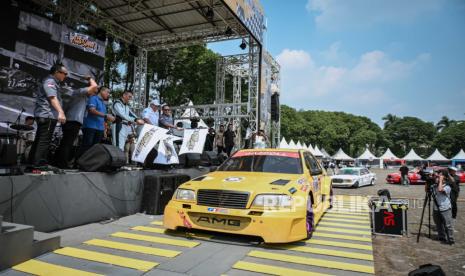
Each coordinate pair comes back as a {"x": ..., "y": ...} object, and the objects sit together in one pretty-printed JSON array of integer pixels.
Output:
[{"x": 58, "y": 201}]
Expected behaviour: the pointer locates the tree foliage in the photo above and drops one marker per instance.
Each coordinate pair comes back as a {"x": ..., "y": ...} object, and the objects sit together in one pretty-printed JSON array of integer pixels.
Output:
[{"x": 334, "y": 130}]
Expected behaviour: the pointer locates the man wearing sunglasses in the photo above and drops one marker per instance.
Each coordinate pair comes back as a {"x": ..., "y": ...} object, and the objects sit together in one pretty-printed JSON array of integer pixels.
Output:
[
  {"x": 166, "y": 119},
  {"x": 49, "y": 110}
]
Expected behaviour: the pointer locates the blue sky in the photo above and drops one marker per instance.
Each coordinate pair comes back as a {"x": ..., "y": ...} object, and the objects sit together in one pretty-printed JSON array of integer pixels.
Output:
[{"x": 369, "y": 57}]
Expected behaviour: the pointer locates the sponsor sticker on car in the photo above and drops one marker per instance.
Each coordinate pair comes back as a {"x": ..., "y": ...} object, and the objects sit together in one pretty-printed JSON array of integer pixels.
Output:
[{"x": 218, "y": 210}]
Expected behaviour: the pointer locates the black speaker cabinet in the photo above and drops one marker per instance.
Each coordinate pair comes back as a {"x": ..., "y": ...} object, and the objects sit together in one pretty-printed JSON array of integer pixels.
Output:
[
  {"x": 101, "y": 158},
  {"x": 158, "y": 191}
]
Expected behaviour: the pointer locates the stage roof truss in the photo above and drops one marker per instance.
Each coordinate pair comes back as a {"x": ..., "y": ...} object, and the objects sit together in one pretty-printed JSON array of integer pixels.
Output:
[{"x": 153, "y": 24}]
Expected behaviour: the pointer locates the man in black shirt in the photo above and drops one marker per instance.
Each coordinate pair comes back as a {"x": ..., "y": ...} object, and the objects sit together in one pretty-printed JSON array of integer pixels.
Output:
[
  {"x": 404, "y": 175},
  {"x": 455, "y": 190},
  {"x": 229, "y": 136}
]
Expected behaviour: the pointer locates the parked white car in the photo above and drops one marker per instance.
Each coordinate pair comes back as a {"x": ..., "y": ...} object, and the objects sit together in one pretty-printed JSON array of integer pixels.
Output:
[{"x": 353, "y": 177}]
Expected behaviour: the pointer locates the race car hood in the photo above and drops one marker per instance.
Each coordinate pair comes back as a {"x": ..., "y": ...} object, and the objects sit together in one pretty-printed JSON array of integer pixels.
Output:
[{"x": 248, "y": 182}]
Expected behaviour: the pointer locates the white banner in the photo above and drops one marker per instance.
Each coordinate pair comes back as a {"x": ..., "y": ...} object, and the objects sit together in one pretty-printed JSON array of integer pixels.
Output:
[
  {"x": 166, "y": 152},
  {"x": 194, "y": 140},
  {"x": 148, "y": 138}
]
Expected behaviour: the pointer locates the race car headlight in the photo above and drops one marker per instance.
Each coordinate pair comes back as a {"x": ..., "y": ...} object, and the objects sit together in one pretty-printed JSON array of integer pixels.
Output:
[
  {"x": 184, "y": 194},
  {"x": 274, "y": 201}
]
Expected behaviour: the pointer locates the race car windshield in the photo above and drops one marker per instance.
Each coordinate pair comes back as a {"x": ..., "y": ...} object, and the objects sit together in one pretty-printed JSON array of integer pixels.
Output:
[
  {"x": 348, "y": 172},
  {"x": 263, "y": 163}
]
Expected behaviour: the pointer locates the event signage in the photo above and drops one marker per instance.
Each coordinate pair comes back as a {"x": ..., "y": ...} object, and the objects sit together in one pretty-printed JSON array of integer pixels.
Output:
[
  {"x": 148, "y": 138},
  {"x": 83, "y": 42},
  {"x": 194, "y": 141},
  {"x": 166, "y": 152}
]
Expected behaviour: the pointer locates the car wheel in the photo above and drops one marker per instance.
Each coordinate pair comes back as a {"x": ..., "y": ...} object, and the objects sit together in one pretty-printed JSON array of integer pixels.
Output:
[
  {"x": 310, "y": 218},
  {"x": 356, "y": 185},
  {"x": 372, "y": 182},
  {"x": 331, "y": 195}
]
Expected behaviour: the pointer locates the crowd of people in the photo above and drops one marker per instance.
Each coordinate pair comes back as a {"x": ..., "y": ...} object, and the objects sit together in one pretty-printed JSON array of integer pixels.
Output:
[{"x": 85, "y": 110}]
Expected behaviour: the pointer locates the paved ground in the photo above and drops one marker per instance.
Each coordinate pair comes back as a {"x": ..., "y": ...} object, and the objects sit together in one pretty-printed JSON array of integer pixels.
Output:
[{"x": 399, "y": 255}]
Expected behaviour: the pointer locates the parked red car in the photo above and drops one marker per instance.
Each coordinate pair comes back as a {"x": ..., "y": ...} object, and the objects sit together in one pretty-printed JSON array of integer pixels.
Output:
[
  {"x": 394, "y": 178},
  {"x": 461, "y": 174},
  {"x": 415, "y": 178}
]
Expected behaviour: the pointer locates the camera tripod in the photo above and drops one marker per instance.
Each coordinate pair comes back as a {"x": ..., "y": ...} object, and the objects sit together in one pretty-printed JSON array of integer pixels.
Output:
[{"x": 431, "y": 194}]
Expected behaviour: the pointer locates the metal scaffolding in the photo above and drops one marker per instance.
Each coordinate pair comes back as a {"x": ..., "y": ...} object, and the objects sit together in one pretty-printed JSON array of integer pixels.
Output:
[{"x": 140, "y": 80}]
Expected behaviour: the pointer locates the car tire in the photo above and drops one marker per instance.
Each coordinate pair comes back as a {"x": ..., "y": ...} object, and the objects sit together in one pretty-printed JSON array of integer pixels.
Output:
[
  {"x": 309, "y": 218},
  {"x": 331, "y": 197},
  {"x": 356, "y": 185},
  {"x": 372, "y": 182}
]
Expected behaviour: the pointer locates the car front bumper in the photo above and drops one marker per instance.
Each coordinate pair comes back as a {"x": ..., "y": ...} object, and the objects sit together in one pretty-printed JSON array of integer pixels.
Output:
[{"x": 272, "y": 227}]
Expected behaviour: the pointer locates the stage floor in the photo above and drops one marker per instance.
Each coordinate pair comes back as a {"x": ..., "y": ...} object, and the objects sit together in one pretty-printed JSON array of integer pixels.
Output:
[{"x": 336, "y": 248}]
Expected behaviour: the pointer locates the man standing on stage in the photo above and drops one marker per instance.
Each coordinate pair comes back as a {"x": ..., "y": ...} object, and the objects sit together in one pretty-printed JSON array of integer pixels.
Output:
[
  {"x": 124, "y": 118},
  {"x": 48, "y": 111},
  {"x": 94, "y": 123},
  {"x": 151, "y": 114},
  {"x": 166, "y": 119},
  {"x": 74, "y": 104}
]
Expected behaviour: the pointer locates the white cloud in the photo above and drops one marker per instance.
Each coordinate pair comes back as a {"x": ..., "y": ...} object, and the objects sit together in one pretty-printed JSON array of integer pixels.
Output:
[
  {"x": 336, "y": 14},
  {"x": 294, "y": 59},
  {"x": 349, "y": 88}
]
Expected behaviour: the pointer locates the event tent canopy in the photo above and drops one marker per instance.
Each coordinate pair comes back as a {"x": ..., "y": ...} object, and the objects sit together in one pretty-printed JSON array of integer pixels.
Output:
[
  {"x": 292, "y": 144},
  {"x": 299, "y": 145},
  {"x": 325, "y": 153},
  {"x": 388, "y": 155},
  {"x": 413, "y": 156},
  {"x": 341, "y": 155},
  {"x": 367, "y": 155},
  {"x": 317, "y": 152},
  {"x": 283, "y": 144},
  {"x": 191, "y": 113},
  {"x": 459, "y": 156},
  {"x": 437, "y": 156}
]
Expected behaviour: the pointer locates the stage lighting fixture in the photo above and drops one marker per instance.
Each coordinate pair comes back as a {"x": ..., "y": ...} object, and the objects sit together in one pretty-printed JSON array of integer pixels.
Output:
[
  {"x": 243, "y": 45},
  {"x": 209, "y": 14}
]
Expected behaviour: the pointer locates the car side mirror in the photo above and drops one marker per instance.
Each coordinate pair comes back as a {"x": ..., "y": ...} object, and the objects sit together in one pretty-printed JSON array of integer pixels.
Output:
[
  {"x": 316, "y": 172},
  {"x": 213, "y": 168}
]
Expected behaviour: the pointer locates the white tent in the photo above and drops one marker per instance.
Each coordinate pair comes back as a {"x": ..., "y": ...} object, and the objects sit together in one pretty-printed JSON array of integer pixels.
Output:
[
  {"x": 325, "y": 153},
  {"x": 191, "y": 113},
  {"x": 437, "y": 156},
  {"x": 388, "y": 155},
  {"x": 367, "y": 155},
  {"x": 292, "y": 144},
  {"x": 412, "y": 156},
  {"x": 341, "y": 155},
  {"x": 317, "y": 152},
  {"x": 310, "y": 148},
  {"x": 283, "y": 144},
  {"x": 299, "y": 145},
  {"x": 459, "y": 156}
]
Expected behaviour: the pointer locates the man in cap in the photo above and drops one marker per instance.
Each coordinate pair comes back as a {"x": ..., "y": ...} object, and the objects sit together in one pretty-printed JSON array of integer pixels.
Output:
[
  {"x": 151, "y": 115},
  {"x": 454, "y": 194}
]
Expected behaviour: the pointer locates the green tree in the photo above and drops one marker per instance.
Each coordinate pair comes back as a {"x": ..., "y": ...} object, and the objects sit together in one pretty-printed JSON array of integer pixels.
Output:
[
  {"x": 410, "y": 132},
  {"x": 389, "y": 120},
  {"x": 445, "y": 122},
  {"x": 451, "y": 139}
]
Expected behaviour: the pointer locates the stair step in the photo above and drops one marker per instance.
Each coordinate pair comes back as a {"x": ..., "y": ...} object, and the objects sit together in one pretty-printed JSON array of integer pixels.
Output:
[{"x": 44, "y": 243}]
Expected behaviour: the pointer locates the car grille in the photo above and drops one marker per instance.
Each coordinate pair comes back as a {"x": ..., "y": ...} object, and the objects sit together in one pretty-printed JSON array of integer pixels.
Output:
[
  {"x": 221, "y": 198},
  {"x": 337, "y": 180}
]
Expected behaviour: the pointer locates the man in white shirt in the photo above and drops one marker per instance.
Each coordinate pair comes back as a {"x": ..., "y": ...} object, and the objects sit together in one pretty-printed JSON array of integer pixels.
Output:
[{"x": 151, "y": 113}]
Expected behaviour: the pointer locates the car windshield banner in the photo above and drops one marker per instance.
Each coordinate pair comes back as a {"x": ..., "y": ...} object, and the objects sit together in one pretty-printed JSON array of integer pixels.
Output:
[{"x": 267, "y": 153}]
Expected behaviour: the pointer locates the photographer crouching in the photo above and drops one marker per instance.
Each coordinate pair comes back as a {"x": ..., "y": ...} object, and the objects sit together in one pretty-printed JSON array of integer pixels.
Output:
[{"x": 443, "y": 217}]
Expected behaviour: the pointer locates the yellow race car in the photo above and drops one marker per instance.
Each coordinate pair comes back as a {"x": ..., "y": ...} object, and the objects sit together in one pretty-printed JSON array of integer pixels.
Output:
[{"x": 276, "y": 194}]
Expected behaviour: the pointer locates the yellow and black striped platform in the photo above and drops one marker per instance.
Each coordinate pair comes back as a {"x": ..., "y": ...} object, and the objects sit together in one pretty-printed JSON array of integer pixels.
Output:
[{"x": 340, "y": 245}]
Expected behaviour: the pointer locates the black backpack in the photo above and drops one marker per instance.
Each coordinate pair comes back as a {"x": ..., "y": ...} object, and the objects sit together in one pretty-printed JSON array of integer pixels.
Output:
[{"x": 427, "y": 270}]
